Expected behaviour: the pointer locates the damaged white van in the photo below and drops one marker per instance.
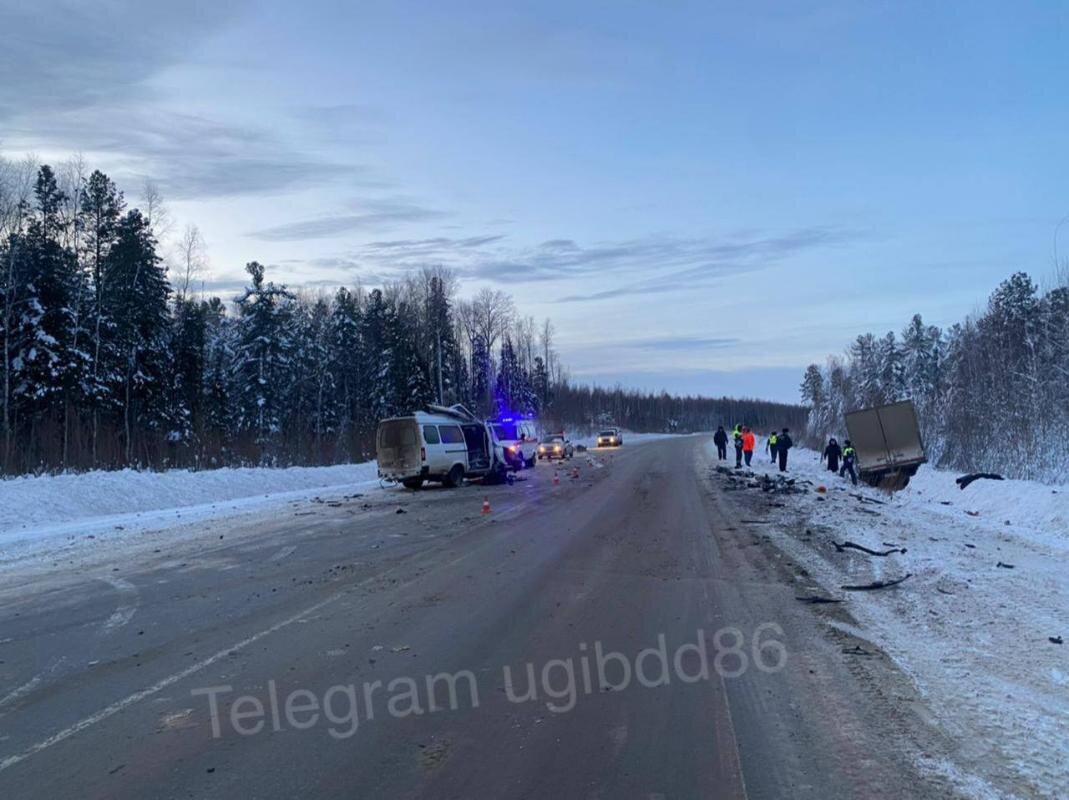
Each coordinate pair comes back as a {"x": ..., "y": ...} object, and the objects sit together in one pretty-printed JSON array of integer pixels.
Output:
[{"x": 441, "y": 444}]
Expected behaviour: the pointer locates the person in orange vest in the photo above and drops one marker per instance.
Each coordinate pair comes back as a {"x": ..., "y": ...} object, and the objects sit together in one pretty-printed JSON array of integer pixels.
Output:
[{"x": 749, "y": 441}]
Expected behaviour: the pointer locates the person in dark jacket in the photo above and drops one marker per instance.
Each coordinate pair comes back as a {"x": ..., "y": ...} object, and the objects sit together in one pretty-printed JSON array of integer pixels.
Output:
[
  {"x": 832, "y": 454},
  {"x": 849, "y": 461},
  {"x": 783, "y": 444},
  {"x": 721, "y": 440},
  {"x": 736, "y": 435}
]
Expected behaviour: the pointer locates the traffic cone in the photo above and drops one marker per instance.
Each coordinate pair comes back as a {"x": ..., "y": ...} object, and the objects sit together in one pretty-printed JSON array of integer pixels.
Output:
[
  {"x": 556, "y": 478},
  {"x": 486, "y": 505}
]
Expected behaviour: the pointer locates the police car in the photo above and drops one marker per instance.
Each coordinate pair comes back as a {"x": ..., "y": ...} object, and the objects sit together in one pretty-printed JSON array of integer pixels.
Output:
[{"x": 515, "y": 441}]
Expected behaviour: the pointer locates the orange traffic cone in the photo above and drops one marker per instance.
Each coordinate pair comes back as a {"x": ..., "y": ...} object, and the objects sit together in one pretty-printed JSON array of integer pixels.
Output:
[
  {"x": 556, "y": 478},
  {"x": 486, "y": 505}
]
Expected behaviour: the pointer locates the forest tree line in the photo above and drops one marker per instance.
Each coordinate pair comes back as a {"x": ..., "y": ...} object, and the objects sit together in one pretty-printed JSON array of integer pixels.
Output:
[
  {"x": 111, "y": 358},
  {"x": 593, "y": 407},
  {"x": 991, "y": 393}
]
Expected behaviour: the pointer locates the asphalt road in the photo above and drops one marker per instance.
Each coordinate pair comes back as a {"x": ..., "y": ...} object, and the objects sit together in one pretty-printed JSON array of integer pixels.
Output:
[{"x": 350, "y": 650}]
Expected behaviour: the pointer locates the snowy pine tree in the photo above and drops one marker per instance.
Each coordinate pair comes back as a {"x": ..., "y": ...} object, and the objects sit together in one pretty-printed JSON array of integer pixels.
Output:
[
  {"x": 347, "y": 371},
  {"x": 263, "y": 360}
]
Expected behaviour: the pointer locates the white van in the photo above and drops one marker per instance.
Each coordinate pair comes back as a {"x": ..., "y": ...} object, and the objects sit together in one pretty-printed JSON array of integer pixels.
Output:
[
  {"x": 440, "y": 444},
  {"x": 515, "y": 441}
]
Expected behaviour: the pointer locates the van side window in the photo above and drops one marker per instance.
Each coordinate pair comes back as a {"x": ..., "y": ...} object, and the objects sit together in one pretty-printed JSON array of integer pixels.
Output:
[
  {"x": 430, "y": 434},
  {"x": 451, "y": 434}
]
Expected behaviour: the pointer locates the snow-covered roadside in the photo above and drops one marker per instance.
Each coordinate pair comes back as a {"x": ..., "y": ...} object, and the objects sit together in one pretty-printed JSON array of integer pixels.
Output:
[
  {"x": 40, "y": 514},
  {"x": 989, "y": 585}
]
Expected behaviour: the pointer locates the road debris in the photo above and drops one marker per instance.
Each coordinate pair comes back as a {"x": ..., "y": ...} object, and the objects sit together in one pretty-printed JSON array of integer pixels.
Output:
[
  {"x": 868, "y": 587},
  {"x": 857, "y": 650},
  {"x": 965, "y": 480},
  {"x": 815, "y": 600},
  {"x": 854, "y": 546}
]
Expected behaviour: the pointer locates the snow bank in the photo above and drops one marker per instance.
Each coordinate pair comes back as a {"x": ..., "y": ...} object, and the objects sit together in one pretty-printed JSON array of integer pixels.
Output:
[
  {"x": 37, "y": 508},
  {"x": 971, "y": 627},
  {"x": 1042, "y": 509}
]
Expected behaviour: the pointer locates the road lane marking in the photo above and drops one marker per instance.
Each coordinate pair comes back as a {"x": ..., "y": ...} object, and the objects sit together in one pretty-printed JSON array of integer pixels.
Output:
[
  {"x": 124, "y": 613},
  {"x": 136, "y": 697},
  {"x": 283, "y": 553},
  {"x": 21, "y": 691},
  {"x": 10, "y": 761}
]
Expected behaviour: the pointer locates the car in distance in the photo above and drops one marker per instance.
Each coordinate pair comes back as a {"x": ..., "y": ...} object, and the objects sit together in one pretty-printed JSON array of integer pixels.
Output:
[
  {"x": 610, "y": 437},
  {"x": 555, "y": 445}
]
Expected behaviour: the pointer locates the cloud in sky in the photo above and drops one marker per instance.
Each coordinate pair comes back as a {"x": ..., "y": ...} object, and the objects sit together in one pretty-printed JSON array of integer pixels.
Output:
[
  {"x": 326, "y": 227},
  {"x": 693, "y": 178},
  {"x": 669, "y": 343},
  {"x": 649, "y": 265},
  {"x": 85, "y": 83},
  {"x": 58, "y": 56}
]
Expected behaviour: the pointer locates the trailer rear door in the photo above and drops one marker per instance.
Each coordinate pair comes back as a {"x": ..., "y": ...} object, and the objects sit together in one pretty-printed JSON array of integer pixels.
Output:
[
  {"x": 867, "y": 437},
  {"x": 886, "y": 437},
  {"x": 903, "y": 436}
]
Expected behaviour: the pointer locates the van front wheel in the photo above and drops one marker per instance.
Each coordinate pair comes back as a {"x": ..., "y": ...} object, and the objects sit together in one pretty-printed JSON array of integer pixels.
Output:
[{"x": 455, "y": 476}]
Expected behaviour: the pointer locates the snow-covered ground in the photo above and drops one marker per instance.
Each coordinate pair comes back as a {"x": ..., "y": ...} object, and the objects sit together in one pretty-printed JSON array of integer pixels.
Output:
[
  {"x": 989, "y": 585},
  {"x": 43, "y": 514}
]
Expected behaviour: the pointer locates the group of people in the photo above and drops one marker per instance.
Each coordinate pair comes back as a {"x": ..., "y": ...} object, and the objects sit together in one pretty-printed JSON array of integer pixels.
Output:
[
  {"x": 833, "y": 453},
  {"x": 777, "y": 445},
  {"x": 841, "y": 459}
]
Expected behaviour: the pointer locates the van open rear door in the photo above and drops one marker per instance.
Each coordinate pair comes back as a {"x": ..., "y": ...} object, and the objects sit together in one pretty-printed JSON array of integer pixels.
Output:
[{"x": 398, "y": 448}]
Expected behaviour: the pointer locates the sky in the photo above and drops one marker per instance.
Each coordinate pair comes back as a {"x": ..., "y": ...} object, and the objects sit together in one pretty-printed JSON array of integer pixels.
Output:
[{"x": 704, "y": 197}]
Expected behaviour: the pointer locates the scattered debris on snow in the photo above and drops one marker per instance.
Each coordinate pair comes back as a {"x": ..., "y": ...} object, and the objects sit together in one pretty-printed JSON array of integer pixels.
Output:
[{"x": 986, "y": 588}]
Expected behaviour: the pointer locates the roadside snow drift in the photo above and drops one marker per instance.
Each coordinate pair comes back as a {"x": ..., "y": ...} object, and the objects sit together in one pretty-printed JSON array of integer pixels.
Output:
[
  {"x": 33, "y": 509},
  {"x": 975, "y": 626}
]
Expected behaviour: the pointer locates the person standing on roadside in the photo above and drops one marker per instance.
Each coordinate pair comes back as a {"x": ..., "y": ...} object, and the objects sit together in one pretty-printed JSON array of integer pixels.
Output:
[
  {"x": 832, "y": 454},
  {"x": 783, "y": 444},
  {"x": 772, "y": 446},
  {"x": 721, "y": 440},
  {"x": 736, "y": 436},
  {"x": 849, "y": 460},
  {"x": 749, "y": 441}
]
